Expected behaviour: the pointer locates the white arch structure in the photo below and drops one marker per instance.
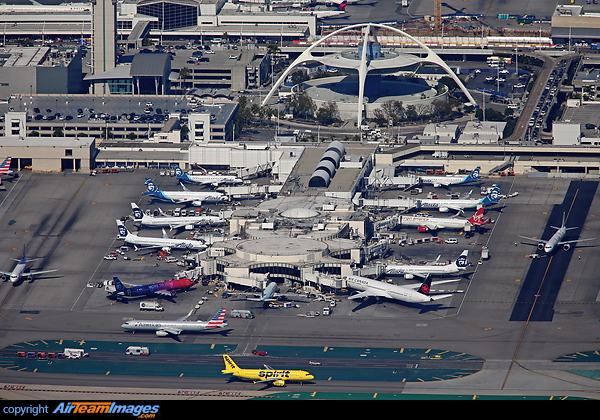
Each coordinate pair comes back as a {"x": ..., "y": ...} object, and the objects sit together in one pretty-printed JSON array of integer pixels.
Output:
[{"x": 366, "y": 64}]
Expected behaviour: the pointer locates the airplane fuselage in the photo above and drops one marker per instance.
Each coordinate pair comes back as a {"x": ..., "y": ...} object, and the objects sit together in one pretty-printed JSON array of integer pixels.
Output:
[
  {"x": 150, "y": 289},
  {"x": 179, "y": 221},
  {"x": 391, "y": 290},
  {"x": 153, "y": 325},
  {"x": 265, "y": 374},
  {"x": 422, "y": 269},
  {"x": 439, "y": 223},
  {"x": 18, "y": 271},
  {"x": 191, "y": 197}
]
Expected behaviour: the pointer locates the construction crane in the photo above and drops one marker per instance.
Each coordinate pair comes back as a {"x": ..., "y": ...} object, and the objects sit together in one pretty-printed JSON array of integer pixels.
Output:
[{"x": 437, "y": 14}]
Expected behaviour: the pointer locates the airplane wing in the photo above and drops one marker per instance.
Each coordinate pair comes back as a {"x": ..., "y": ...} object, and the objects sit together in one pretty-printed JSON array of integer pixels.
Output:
[
  {"x": 168, "y": 293},
  {"x": 433, "y": 283},
  {"x": 535, "y": 239},
  {"x": 173, "y": 331},
  {"x": 35, "y": 273},
  {"x": 369, "y": 293},
  {"x": 5, "y": 273},
  {"x": 435, "y": 261},
  {"x": 183, "y": 318},
  {"x": 575, "y": 240},
  {"x": 177, "y": 225}
]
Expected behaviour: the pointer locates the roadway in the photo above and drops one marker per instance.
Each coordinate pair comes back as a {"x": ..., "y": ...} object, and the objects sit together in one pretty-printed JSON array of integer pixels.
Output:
[{"x": 70, "y": 219}]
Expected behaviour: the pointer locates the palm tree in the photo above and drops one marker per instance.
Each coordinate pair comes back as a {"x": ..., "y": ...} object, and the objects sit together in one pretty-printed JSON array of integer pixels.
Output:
[{"x": 183, "y": 74}]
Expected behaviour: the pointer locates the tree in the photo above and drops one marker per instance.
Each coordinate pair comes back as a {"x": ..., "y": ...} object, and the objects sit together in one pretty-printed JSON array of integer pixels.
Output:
[
  {"x": 393, "y": 110},
  {"x": 328, "y": 113},
  {"x": 303, "y": 104},
  {"x": 184, "y": 72}
]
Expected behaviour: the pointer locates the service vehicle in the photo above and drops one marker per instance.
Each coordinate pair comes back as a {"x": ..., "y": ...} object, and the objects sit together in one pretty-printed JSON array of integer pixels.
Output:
[
  {"x": 75, "y": 353},
  {"x": 151, "y": 306},
  {"x": 138, "y": 351}
]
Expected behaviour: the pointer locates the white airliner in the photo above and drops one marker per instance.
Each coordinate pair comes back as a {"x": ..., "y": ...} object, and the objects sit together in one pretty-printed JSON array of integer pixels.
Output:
[
  {"x": 174, "y": 222},
  {"x": 165, "y": 328},
  {"x": 165, "y": 242},
  {"x": 548, "y": 245},
  {"x": 439, "y": 181},
  {"x": 184, "y": 196},
  {"x": 214, "y": 180},
  {"x": 432, "y": 268},
  {"x": 19, "y": 271},
  {"x": 270, "y": 294},
  {"x": 379, "y": 289},
  {"x": 426, "y": 223},
  {"x": 445, "y": 205}
]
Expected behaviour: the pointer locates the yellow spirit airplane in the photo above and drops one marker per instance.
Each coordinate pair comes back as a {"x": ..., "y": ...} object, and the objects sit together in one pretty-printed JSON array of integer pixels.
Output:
[{"x": 268, "y": 374}]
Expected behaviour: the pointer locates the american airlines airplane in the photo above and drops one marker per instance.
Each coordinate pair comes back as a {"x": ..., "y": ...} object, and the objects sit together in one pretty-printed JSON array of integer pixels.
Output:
[
  {"x": 166, "y": 328},
  {"x": 174, "y": 222},
  {"x": 557, "y": 239},
  {"x": 19, "y": 271},
  {"x": 445, "y": 181},
  {"x": 165, "y": 242},
  {"x": 445, "y": 205},
  {"x": 426, "y": 223},
  {"x": 214, "y": 180},
  {"x": 379, "y": 289},
  {"x": 185, "y": 196},
  {"x": 5, "y": 166}
]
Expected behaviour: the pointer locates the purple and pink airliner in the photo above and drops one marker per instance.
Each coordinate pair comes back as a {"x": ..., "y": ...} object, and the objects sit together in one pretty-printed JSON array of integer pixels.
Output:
[{"x": 165, "y": 288}]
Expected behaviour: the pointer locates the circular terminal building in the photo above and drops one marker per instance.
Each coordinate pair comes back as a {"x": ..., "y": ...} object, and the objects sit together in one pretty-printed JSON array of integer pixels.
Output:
[{"x": 366, "y": 88}]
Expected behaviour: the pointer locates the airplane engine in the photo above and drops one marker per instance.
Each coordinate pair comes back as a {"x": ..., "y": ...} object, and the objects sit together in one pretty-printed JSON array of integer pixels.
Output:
[
  {"x": 30, "y": 279},
  {"x": 423, "y": 229},
  {"x": 162, "y": 333},
  {"x": 566, "y": 247},
  {"x": 540, "y": 247},
  {"x": 443, "y": 209},
  {"x": 279, "y": 383},
  {"x": 4, "y": 277},
  {"x": 409, "y": 276}
]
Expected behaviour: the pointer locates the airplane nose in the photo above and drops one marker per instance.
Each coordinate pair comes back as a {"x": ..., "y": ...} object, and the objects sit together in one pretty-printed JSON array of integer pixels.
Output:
[{"x": 310, "y": 377}]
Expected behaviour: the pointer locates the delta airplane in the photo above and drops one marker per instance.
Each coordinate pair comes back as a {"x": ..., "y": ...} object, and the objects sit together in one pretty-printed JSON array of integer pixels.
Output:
[
  {"x": 172, "y": 221},
  {"x": 165, "y": 242},
  {"x": 432, "y": 268},
  {"x": 378, "y": 289},
  {"x": 186, "y": 196},
  {"x": 165, "y": 288},
  {"x": 266, "y": 375},
  {"x": 19, "y": 270},
  {"x": 439, "y": 181},
  {"x": 466, "y": 203},
  {"x": 426, "y": 224},
  {"x": 166, "y": 328},
  {"x": 549, "y": 245},
  {"x": 214, "y": 180}
]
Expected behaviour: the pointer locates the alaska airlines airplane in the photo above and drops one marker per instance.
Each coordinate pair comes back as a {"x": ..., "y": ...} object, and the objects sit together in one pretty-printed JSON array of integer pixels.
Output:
[
  {"x": 461, "y": 204},
  {"x": 379, "y": 289},
  {"x": 548, "y": 245},
  {"x": 186, "y": 196},
  {"x": 165, "y": 288},
  {"x": 19, "y": 271},
  {"x": 174, "y": 222},
  {"x": 270, "y": 294},
  {"x": 214, "y": 180},
  {"x": 165, "y": 328},
  {"x": 410, "y": 271},
  {"x": 165, "y": 242},
  {"x": 426, "y": 224},
  {"x": 268, "y": 374},
  {"x": 439, "y": 181}
]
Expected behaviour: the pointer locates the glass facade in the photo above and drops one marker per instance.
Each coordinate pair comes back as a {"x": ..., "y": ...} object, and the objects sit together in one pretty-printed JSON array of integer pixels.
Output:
[
  {"x": 170, "y": 15},
  {"x": 120, "y": 86}
]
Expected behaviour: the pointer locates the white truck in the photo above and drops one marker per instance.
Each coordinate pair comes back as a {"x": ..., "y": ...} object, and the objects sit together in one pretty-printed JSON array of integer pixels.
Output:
[
  {"x": 75, "y": 353},
  {"x": 150, "y": 306},
  {"x": 138, "y": 351},
  {"x": 242, "y": 313}
]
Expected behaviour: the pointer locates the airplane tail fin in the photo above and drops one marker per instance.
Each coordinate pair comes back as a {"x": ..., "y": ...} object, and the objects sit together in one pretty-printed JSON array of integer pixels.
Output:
[
  {"x": 123, "y": 232},
  {"x": 342, "y": 6},
  {"x": 462, "y": 261},
  {"x": 218, "y": 320},
  {"x": 425, "y": 287},
  {"x": 5, "y": 166},
  {"x": 119, "y": 287},
  {"x": 181, "y": 175},
  {"x": 137, "y": 212},
  {"x": 474, "y": 175},
  {"x": 493, "y": 196},
  {"x": 477, "y": 219},
  {"x": 152, "y": 189},
  {"x": 230, "y": 365}
]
